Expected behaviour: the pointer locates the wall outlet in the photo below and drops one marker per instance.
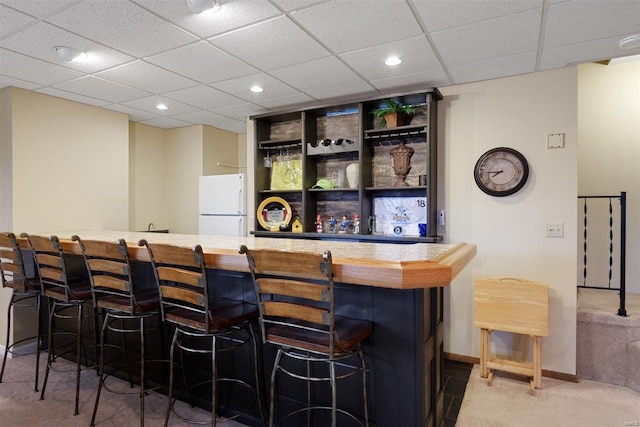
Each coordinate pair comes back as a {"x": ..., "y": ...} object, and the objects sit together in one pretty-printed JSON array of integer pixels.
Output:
[
  {"x": 555, "y": 229},
  {"x": 555, "y": 140}
]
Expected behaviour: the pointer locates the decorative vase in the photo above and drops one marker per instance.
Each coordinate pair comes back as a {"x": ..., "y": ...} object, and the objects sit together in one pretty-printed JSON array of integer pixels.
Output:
[
  {"x": 353, "y": 173},
  {"x": 401, "y": 163}
]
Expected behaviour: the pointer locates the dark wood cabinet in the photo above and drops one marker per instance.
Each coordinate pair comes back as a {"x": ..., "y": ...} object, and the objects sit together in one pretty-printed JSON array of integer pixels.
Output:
[{"x": 296, "y": 149}]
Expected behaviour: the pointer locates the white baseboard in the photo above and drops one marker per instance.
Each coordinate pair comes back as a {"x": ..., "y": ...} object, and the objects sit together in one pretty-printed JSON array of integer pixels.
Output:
[{"x": 26, "y": 348}]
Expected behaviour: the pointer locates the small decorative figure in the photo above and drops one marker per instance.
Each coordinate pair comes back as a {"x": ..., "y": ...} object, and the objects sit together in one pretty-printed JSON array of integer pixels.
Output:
[
  {"x": 319, "y": 224},
  {"x": 356, "y": 224},
  {"x": 332, "y": 225},
  {"x": 344, "y": 225}
]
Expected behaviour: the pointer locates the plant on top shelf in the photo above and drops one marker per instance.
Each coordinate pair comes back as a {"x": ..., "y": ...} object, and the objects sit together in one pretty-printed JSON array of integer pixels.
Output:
[{"x": 393, "y": 113}]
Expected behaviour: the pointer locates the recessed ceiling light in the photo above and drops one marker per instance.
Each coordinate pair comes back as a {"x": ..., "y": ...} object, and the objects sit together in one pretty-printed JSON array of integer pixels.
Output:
[
  {"x": 630, "y": 42},
  {"x": 256, "y": 89},
  {"x": 162, "y": 107},
  {"x": 70, "y": 53},
  {"x": 393, "y": 60},
  {"x": 199, "y": 6}
]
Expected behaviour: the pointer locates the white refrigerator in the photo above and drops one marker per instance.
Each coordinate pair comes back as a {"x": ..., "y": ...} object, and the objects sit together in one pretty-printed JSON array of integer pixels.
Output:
[{"x": 223, "y": 205}]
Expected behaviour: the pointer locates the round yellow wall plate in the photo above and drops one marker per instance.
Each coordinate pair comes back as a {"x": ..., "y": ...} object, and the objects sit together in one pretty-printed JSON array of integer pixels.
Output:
[{"x": 273, "y": 213}]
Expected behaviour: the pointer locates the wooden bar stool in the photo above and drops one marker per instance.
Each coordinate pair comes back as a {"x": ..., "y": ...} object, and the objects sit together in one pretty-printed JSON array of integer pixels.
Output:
[
  {"x": 203, "y": 324},
  {"x": 65, "y": 289},
  {"x": 516, "y": 306},
  {"x": 127, "y": 307},
  {"x": 25, "y": 289},
  {"x": 298, "y": 315}
]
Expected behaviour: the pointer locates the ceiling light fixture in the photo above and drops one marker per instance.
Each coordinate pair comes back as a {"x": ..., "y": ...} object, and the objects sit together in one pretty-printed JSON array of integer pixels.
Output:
[
  {"x": 199, "y": 6},
  {"x": 162, "y": 107},
  {"x": 69, "y": 54},
  {"x": 393, "y": 60},
  {"x": 256, "y": 89},
  {"x": 630, "y": 42}
]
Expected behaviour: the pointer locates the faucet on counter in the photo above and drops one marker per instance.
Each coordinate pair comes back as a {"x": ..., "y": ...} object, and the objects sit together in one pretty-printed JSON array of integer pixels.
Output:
[{"x": 151, "y": 227}]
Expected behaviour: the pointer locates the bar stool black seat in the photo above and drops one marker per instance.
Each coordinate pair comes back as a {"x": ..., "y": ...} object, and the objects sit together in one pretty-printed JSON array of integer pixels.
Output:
[
  {"x": 66, "y": 288},
  {"x": 203, "y": 323},
  {"x": 127, "y": 306},
  {"x": 295, "y": 296},
  {"x": 25, "y": 293}
]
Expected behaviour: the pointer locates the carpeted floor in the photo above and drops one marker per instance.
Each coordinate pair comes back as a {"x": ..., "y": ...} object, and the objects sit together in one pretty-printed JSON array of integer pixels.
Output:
[
  {"x": 510, "y": 402},
  {"x": 20, "y": 406}
]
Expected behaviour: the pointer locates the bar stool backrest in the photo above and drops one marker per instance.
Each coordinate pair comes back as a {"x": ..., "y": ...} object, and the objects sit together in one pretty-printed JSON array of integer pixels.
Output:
[
  {"x": 182, "y": 283},
  {"x": 295, "y": 297},
  {"x": 12, "y": 264},
  {"x": 52, "y": 267},
  {"x": 109, "y": 266}
]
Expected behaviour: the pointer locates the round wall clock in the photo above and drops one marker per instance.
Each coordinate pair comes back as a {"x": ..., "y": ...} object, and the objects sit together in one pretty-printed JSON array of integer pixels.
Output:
[{"x": 501, "y": 171}]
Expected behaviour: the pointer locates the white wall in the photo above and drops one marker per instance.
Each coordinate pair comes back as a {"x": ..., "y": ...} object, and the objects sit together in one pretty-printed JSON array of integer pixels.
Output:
[
  {"x": 516, "y": 112},
  {"x": 608, "y": 163}
]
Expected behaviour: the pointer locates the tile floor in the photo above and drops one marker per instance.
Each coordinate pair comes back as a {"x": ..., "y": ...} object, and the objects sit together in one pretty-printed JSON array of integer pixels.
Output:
[{"x": 456, "y": 376}]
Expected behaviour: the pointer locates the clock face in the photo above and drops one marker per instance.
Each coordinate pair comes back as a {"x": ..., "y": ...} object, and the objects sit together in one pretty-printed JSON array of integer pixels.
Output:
[{"x": 501, "y": 171}]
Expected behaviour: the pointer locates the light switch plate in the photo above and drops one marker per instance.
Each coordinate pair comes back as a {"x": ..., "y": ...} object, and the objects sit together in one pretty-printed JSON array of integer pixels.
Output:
[{"x": 555, "y": 140}]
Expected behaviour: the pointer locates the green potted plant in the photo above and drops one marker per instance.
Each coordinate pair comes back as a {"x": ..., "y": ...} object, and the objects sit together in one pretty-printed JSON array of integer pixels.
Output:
[{"x": 393, "y": 113}]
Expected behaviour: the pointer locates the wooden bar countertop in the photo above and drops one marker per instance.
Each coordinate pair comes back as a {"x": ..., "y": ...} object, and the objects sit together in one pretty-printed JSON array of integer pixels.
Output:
[{"x": 397, "y": 266}]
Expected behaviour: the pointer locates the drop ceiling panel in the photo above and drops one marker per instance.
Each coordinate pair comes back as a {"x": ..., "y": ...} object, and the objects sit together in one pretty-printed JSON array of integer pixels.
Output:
[
  {"x": 101, "y": 89},
  {"x": 33, "y": 70},
  {"x": 12, "y": 20},
  {"x": 39, "y": 40},
  {"x": 202, "y": 62},
  {"x": 358, "y": 90},
  {"x": 286, "y": 102},
  {"x": 149, "y": 104},
  {"x": 73, "y": 96},
  {"x": 166, "y": 123},
  {"x": 433, "y": 78},
  {"x": 241, "y": 111},
  {"x": 500, "y": 67},
  {"x": 239, "y": 87},
  {"x": 213, "y": 119},
  {"x": 290, "y": 5},
  {"x": 147, "y": 77},
  {"x": 12, "y": 81},
  {"x": 579, "y": 21},
  {"x": 595, "y": 50},
  {"x": 272, "y": 44},
  {"x": 122, "y": 25},
  {"x": 361, "y": 23},
  {"x": 490, "y": 39},
  {"x": 318, "y": 74},
  {"x": 134, "y": 114},
  {"x": 416, "y": 55},
  {"x": 39, "y": 8},
  {"x": 443, "y": 15},
  {"x": 204, "y": 97}
]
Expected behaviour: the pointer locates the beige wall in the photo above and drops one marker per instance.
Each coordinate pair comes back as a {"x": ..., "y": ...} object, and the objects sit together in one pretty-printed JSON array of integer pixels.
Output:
[
  {"x": 70, "y": 165},
  {"x": 608, "y": 160},
  {"x": 516, "y": 112}
]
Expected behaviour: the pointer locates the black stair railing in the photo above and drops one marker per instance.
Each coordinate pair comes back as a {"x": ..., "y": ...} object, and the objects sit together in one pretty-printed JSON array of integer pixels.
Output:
[{"x": 623, "y": 232}]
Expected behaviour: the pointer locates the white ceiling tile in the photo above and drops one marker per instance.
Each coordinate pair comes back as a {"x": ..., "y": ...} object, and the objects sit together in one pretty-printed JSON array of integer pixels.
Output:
[
  {"x": 101, "y": 89},
  {"x": 494, "y": 68},
  {"x": 317, "y": 74},
  {"x": 272, "y": 44},
  {"x": 233, "y": 14},
  {"x": 204, "y": 97},
  {"x": 135, "y": 115},
  {"x": 345, "y": 25},
  {"x": 578, "y": 21},
  {"x": 39, "y": 40},
  {"x": 33, "y": 70},
  {"x": 202, "y": 62},
  {"x": 149, "y": 104},
  {"x": 213, "y": 119},
  {"x": 442, "y": 15},
  {"x": 286, "y": 102},
  {"x": 147, "y": 77},
  {"x": 166, "y": 123},
  {"x": 39, "y": 8},
  {"x": 290, "y": 5},
  {"x": 239, "y": 87},
  {"x": 12, "y": 81},
  {"x": 12, "y": 20},
  {"x": 489, "y": 39},
  {"x": 595, "y": 50},
  {"x": 416, "y": 55},
  {"x": 73, "y": 96},
  {"x": 359, "y": 90},
  {"x": 417, "y": 81},
  {"x": 122, "y": 25},
  {"x": 240, "y": 112}
]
